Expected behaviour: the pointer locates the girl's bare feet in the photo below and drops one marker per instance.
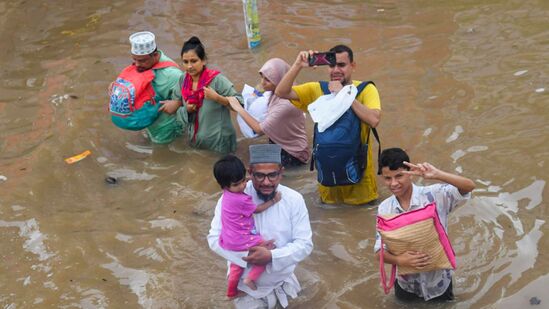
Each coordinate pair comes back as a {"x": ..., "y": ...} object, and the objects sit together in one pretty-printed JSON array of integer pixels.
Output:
[
  {"x": 239, "y": 294},
  {"x": 250, "y": 283}
]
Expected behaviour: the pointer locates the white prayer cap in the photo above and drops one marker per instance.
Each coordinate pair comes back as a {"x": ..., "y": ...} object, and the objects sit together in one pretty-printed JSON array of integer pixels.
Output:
[{"x": 142, "y": 43}]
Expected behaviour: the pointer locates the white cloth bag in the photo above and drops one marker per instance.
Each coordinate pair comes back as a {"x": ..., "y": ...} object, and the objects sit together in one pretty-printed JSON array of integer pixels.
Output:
[
  {"x": 256, "y": 106},
  {"x": 328, "y": 108}
]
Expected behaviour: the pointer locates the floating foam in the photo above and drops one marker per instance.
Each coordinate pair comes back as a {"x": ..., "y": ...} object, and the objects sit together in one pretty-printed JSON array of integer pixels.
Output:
[
  {"x": 165, "y": 224},
  {"x": 129, "y": 174},
  {"x": 457, "y": 132},
  {"x": 519, "y": 73},
  {"x": 477, "y": 148}
]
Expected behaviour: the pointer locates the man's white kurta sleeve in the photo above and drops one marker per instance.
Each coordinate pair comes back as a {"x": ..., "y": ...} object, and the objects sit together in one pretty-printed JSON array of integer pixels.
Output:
[
  {"x": 301, "y": 244},
  {"x": 213, "y": 240}
]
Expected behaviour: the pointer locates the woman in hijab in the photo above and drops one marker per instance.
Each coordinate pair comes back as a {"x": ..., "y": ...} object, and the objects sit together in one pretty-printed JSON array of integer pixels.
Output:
[{"x": 284, "y": 124}]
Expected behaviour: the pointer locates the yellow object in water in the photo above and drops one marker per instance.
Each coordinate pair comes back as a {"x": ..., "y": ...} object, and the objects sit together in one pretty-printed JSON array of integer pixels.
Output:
[{"x": 78, "y": 157}]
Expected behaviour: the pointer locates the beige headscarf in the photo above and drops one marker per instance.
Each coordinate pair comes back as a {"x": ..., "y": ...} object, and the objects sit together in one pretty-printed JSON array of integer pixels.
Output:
[
  {"x": 274, "y": 69},
  {"x": 284, "y": 123}
]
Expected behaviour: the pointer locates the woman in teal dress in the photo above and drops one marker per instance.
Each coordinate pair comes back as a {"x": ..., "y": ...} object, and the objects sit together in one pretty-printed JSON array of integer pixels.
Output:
[{"x": 205, "y": 112}]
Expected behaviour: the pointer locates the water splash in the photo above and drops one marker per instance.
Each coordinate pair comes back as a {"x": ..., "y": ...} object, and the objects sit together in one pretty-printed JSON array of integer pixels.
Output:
[
  {"x": 139, "y": 148},
  {"x": 35, "y": 239}
]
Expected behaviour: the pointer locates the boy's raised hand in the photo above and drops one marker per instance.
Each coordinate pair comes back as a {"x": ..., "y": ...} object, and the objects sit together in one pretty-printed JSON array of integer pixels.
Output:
[{"x": 425, "y": 170}]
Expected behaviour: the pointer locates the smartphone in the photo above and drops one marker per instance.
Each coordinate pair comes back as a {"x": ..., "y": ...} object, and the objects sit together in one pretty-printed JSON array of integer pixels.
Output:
[{"x": 325, "y": 58}]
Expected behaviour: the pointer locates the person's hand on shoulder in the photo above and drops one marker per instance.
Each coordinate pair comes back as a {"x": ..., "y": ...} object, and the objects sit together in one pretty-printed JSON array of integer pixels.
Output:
[{"x": 169, "y": 106}]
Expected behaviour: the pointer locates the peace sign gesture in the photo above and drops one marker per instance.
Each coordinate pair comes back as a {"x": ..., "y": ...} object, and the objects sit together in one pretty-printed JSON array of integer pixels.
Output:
[{"x": 425, "y": 170}]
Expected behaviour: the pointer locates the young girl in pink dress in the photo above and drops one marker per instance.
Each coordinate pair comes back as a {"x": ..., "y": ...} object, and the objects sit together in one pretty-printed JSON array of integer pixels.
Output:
[{"x": 238, "y": 231}]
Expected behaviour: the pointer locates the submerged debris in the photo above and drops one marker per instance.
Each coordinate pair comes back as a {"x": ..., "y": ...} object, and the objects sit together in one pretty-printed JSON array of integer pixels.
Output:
[
  {"x": 111, "y": 180},
  {"x": 535, "y": 301}
]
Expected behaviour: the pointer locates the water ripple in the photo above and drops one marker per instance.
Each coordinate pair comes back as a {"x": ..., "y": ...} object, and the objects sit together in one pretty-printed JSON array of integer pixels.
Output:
[{"x": 135, "y": 279}]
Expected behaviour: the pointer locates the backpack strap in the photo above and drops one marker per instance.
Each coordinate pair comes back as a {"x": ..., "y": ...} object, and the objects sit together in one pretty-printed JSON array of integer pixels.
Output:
[
  {"x": 361, "y": 87},
  {"x": 378, "y": 148},
  {"x": 325, "y": 90},
  {"x": 324, "y": 87},
  {"x": 312, "y": 166}
]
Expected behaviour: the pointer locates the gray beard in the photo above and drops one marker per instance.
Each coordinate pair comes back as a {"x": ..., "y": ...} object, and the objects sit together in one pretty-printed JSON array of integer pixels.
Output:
[{"x": 266, "y": 197}]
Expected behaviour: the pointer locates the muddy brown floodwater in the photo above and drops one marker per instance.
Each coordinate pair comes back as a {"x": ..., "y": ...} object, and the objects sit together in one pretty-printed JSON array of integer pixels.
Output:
[{"x": 463, "y": 84}]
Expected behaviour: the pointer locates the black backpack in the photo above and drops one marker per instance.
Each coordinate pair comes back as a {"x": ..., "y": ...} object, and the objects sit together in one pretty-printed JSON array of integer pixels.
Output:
[{"x": 338, "y": 153}]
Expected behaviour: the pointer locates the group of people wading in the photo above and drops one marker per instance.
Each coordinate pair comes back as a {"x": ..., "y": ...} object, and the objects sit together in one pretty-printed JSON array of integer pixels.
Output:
[{"x": 260, "y": 226}]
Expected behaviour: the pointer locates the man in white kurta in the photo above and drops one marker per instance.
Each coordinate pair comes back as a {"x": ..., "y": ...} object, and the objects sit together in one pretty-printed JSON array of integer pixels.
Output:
[{"x": 286, "y": 222}]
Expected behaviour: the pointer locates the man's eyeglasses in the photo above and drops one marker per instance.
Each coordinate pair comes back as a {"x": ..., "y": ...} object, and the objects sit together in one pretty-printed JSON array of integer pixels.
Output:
[{"x": 260, "y": 176}]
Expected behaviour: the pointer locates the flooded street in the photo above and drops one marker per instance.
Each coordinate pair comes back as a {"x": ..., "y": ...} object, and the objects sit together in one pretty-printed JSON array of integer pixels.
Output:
[{"x": 464, "y": 86}]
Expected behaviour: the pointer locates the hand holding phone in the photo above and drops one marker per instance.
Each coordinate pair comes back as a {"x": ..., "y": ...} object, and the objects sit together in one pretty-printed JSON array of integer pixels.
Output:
[{"x": 324, "y": 58}]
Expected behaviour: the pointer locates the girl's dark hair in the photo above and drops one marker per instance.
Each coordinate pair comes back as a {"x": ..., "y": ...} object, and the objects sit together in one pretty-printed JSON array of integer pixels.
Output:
[
  {"x": 228, "y": 170},
  {"x": 194, "y": 44},
  {"x": 393, "y": 158}
]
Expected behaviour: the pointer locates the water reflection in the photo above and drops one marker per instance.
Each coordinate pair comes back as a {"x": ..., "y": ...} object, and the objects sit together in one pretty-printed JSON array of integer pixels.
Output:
[{"x": 136, "y": 279}]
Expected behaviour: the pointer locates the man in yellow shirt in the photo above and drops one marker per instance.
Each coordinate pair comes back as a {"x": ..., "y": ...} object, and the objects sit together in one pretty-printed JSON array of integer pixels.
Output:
[{"x": 366, "y": 106}]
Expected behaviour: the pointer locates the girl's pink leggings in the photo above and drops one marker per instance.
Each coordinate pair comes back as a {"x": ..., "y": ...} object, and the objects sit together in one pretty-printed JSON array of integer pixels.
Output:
[{"x": 235, "y": 272}]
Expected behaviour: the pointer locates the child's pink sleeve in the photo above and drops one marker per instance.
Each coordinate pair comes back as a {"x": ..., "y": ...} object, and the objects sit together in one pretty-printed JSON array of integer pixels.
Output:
[{"x": 248, "y": 207}]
